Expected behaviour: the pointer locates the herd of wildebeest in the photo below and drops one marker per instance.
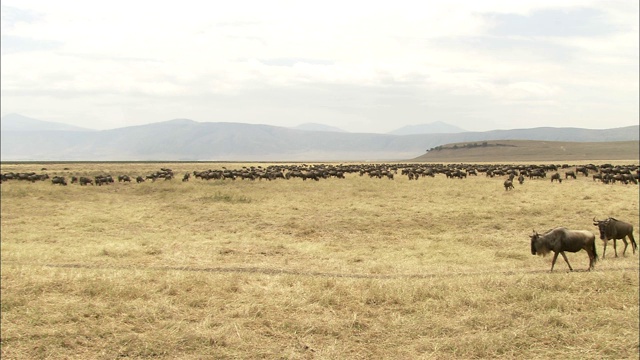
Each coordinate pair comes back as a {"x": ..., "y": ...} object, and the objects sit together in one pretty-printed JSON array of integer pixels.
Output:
[
  {"x": 606, "y": 173},
  {"x": 557, "y": 240}
]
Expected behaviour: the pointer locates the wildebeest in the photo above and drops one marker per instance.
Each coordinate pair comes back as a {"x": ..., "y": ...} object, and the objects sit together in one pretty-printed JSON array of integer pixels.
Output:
[
  {"x": 613, "y": 229},
  {"x": 560, "y": 240},
  {"x": 508, "y": 185},
  {"x": 630, "y": 178},
  {"x": 521, "y": 179},
  {"x": 569, "y": 174},
  {"x": 103, "y": 179},
  {"x": 583, "y": 170},
  {"x": 556, "y": 176},
  {"x": 538, "y": 173},
  {"x": 84, "y": 181},
  {"x": 59, "y": 180}
]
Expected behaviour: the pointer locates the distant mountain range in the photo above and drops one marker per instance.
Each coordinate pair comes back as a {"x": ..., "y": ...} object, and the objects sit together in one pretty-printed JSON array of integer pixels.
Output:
[
  {"x": 317, "y": 127},
  {"x": 25, "y": 139},
  {"x": 16, "y": 122},
  {"x": 437, "y": 127}
]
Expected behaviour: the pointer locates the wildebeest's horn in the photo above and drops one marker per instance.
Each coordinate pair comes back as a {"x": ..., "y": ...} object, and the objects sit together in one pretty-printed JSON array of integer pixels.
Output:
[{"x": 595, "y": 222}]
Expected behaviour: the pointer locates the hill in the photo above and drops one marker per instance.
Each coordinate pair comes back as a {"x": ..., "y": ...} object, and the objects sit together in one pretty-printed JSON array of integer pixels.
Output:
[
  {"x": 187, "y": 140},
  {"x": 437, "y": 127},
  {"x": 529, "y": 150},
  {"x": 17, "y": 122},
  {"x": 317, "y": 127}
]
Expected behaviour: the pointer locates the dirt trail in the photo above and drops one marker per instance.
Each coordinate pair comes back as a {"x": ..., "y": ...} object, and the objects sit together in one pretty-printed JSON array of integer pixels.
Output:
[{"x": 269, "y": 271}]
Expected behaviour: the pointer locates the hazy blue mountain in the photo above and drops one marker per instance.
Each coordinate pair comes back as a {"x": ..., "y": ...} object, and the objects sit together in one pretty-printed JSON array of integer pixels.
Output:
[
  {"x": 187, "y": 140},
  {"x": 16, "y": 122},
  {"x": 317, "y": 127},
  {"x": 437, "y": 127}
]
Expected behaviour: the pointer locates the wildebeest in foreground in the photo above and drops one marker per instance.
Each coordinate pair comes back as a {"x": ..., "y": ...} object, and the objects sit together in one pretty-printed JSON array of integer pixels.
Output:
[
  {"x": 560, "y": 240},
  {"x": 613, "y": 229},
  {"x": 508, "y": 185}
]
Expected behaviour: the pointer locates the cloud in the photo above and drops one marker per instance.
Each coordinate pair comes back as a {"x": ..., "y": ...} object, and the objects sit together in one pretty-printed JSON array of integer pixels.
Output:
[
  {"x": 352, "y": 65},
  {"x": 15, "y": 44},
  {"x": 568, "y": 22},
  {"x": 294, "y": 61},
  {"x": 12, "y": 16}
]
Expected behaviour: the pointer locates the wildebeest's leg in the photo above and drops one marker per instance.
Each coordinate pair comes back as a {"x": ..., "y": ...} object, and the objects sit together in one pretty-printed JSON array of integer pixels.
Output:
[
  {"x": 634, "y": 246},
  {"x": 604, "y": 251},
  {"x": 592, "y": 258},
  {"x": 615, "y": 248},
  {"x": 565, "y": 259},
  {"x": 553, "y": 262},
  {"x": 555, "y": 257},
  {"x": 593, "y": 254},
  {"x": 624, "y": 240}
]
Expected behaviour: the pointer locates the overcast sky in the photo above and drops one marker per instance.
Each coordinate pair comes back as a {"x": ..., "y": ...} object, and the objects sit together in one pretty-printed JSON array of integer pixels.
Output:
[{"x": 363, "y": 66}]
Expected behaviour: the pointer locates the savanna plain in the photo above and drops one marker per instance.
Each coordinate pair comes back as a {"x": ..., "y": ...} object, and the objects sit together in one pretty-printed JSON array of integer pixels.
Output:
[{"x": 353, "y": 268}]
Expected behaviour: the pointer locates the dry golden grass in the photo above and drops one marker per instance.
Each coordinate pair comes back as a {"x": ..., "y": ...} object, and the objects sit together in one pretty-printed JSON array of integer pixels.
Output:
[
  {"x": 353, "y": 268},
  {"x": 534, "y": 150}
]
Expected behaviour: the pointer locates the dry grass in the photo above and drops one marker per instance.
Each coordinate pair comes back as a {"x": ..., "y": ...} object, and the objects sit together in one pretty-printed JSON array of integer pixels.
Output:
[
  {"x": 353, "y": 268},
  {"x": 533, "y": 150}
]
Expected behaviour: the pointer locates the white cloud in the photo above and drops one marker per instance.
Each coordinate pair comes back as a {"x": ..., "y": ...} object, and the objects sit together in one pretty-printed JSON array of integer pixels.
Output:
[{"x": 137, "y": 62}]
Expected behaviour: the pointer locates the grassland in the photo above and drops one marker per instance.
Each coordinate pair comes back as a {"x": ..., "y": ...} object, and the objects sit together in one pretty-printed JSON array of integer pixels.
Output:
[
  {"x": 530, "y": 150},
  {"x": 354, "y": 268}
]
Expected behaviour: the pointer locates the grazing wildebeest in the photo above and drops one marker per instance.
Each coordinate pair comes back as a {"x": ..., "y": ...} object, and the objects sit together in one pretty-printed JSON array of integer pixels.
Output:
[
  {"x": 569, "y": 174},
  {"x": 139, "y": 179},
  {"x": 560, "y": 240},
  {"x": 613, "y": 229},
  {"x": 583, "y": 170},
  {"x": 508, "y": 185},
  {"x": 630, "y": 178},
  {"x": 59, "y": 180},
  {"x": 85, "y": 180},
  {"x": 538, "y": 173},
  {"x": 521, "y": 179},
  {"x": 556, "y": 176},
  {"x": 186, "y": 177},
  {"x": 103, "y": 179}
]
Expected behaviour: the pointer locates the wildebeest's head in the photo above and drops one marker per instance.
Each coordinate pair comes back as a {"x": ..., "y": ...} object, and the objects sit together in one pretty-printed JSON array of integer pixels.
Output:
[
  {"x": 602, "y": 226},
  {"x": 534, "y": 240},
  {"x": 541, "y": 244}
]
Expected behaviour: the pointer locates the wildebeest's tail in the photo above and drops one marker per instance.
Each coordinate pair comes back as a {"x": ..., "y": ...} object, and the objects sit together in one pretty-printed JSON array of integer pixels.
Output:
[{"x": 595, "y": 252}]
